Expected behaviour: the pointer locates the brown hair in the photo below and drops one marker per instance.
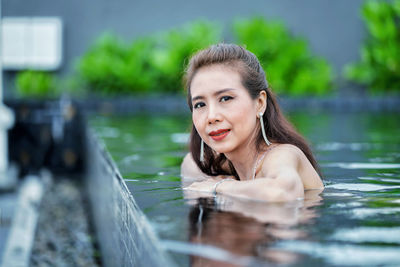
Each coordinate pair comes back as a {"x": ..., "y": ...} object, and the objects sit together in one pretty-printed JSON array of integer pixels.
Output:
[{"x": 277, "y": 128}]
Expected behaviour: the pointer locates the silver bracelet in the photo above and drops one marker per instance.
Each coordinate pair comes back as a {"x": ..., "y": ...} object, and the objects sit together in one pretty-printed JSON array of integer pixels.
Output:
[{"x": 220, "y": 182}]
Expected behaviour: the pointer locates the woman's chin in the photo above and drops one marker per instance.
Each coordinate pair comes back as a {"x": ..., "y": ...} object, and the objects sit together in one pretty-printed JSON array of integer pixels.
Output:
[{"x": 222, "y": 150}]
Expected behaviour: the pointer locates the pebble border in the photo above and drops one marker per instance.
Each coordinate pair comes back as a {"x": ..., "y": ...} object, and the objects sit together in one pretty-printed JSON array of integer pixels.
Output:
[{"x": 18, "y": 248}]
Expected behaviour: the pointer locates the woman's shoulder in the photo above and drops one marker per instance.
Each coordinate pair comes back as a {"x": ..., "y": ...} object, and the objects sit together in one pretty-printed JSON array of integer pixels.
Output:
[
  {"x": 288, "y": 148},
  {"x": 190, "y": 170},
  {"x": 285, "y": 156},
  {"x": 188, "y": 166},
  {"x": 288, "y": 151},
  {"x": 187, "y": 159}
]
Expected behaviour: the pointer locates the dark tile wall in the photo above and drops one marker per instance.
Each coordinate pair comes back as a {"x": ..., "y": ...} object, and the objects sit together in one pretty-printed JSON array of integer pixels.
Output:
[{"x": 124, "y": 235}]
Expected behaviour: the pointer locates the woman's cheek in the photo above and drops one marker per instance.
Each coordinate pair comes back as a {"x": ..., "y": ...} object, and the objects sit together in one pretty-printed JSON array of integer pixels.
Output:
[{"x": 197, "y": 122}]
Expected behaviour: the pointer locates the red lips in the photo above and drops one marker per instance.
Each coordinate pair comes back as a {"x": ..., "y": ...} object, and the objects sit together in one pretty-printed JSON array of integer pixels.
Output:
[{"x": 219, "y": 134}]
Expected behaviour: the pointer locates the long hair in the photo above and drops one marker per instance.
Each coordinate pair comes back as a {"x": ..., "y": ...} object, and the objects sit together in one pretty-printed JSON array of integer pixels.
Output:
[{"x": 277, "y": 127}]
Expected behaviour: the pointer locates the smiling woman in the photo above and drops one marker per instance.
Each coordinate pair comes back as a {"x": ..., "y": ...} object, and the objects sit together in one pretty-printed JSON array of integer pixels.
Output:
[{"x": 241, "y": 144}]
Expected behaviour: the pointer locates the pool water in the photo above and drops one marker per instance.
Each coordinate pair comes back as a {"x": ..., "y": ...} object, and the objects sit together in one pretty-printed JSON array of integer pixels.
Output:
[{"x": 354, "y": 221}]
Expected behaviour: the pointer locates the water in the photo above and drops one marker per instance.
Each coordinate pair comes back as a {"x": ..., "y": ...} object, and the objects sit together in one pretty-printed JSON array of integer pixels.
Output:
[{"x": 354, "y": 221}]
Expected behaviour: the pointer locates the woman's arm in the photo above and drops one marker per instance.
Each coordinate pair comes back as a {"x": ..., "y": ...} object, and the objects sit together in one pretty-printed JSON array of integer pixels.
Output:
[
  {"x": 192, "y": 175},
  {"x": 283, "y": 176},
  {"x": 278, "y": 179},
  {"x": 285, "y": 187}
]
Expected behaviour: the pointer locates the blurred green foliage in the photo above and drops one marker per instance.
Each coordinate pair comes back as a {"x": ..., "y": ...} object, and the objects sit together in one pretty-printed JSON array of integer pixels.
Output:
[
  {"x": 287, "y": 61},
  {"x": 156, "y": 63},
  {"x": 111, "y": 66},
  {"x": 152, "y": 64},
  {"x": 37, "y": 84},
  {"x": 175, "y": 48},
  {"x": 379, "y": 68}
]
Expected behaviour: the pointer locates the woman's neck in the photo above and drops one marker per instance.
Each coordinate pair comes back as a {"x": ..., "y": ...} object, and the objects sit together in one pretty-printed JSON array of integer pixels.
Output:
[{"x": 243, "y": 160}]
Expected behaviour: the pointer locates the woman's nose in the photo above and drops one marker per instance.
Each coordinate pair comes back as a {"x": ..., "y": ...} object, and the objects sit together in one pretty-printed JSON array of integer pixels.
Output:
[{"x": 214, "y": 115}]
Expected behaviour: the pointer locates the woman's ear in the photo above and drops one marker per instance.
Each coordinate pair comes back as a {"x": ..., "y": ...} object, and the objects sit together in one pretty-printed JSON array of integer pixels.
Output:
[{"x": 262, "y": 102}]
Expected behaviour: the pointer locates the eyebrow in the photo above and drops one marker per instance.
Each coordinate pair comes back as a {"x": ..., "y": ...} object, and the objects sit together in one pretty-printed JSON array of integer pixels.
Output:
[{"x": 215, "y": 94}]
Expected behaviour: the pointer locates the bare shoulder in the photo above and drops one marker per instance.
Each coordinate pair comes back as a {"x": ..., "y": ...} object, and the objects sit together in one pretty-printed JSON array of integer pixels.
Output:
[
  {"x": 187, "y": 160},
  {"x": 190, "y": 170},
  {"x": 288, "y": 157},
  {"x": 284, "y": 155},
  {"x": 288, "y": 148}
]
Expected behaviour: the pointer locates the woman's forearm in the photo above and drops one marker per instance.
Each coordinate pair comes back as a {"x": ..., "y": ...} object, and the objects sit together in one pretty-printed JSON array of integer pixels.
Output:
[{"x": 264, "y": 189}]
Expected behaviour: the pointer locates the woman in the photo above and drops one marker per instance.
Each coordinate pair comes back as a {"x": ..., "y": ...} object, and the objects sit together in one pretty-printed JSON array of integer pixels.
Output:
[{"x": 241, "y": 144}]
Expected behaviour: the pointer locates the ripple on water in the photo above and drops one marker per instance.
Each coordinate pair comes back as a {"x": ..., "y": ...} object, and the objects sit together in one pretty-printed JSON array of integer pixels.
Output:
[
  {"x": 362, "y": 187},
  {"x": 208, "y": 251},
  {"x": 180, "y": 138},
  {"x": 335, "y": 146},
  {"x": 386, "y": 180},
  {"x": 362, "y": 165},
  {"x": 347, "y": 205},
  {"x": 108, "y": 132},
  {"x": 128, "y": 138},
  {"x": 369, "y": 234},
  {"x": 163, "y": 223},
  {"x": 131, "y": 180},
  {"x": 331, "y": 194},
  {"x": 345, "y": 254},
  {"x": 389, "y": 174},
  {"x": 129, "y": 159},
  {"x": 362, "y": 213}
]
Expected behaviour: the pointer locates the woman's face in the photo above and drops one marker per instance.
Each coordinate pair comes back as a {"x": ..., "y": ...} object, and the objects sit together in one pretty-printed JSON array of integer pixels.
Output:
[{"x": 224, "y": 114}]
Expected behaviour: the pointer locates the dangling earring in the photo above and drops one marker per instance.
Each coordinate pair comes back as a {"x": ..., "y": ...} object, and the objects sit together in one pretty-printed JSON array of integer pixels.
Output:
[
  {"x": 202, "y": 151},
  {"x": 263, "y": 130}
]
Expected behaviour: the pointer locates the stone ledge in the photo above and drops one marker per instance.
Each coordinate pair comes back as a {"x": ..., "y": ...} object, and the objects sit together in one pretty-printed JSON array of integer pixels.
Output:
[{"x": 177, "y": 104}]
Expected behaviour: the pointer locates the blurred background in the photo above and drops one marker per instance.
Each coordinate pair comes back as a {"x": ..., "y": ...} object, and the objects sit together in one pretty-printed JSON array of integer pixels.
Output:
[{"x": 316, "y": 47}]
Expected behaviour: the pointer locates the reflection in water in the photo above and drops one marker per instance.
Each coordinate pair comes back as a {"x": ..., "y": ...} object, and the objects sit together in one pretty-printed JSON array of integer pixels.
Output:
[
  {"x": 248, "y": 228},
  {"x": 356, "y": 224}
]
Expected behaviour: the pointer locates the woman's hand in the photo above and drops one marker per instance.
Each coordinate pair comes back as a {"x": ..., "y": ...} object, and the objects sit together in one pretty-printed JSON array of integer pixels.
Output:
[
  {"x": 206, "y": 186},
  {"x": 193, "y": 179},
  {"x": 200, "y": 189},
  {"x": 203, "y": 188}
]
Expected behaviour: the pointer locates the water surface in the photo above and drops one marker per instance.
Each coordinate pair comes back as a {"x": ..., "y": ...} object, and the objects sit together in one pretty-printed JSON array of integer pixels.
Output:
[{"x": 354, "y": 221}]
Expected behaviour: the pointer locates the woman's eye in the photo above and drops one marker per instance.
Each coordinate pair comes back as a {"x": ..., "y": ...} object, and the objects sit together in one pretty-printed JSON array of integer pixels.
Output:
[
  {"x": 199, "y": 105},
  {"x": 225, "y": 98}
]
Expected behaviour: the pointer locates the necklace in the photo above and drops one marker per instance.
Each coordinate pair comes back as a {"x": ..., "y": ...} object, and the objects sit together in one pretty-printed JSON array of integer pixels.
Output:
[
  {"x": 259, "y": 160},
  {"x": 256, "y": 165}
]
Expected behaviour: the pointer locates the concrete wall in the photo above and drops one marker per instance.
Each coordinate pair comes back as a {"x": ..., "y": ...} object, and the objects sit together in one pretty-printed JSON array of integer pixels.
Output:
[{"x": 334, "y": 28}]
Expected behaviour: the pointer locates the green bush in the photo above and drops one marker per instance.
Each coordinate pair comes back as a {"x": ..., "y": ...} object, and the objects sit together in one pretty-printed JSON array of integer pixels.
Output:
[
  {"x": 37, "y": 84},
  {"x": 175, "y": 48},
  {"x": 146, "y": 65},
  {"x": 112, "y": 66},
  {"x": 379, "y": 68},
  {"x": 289, "y": 65},
  {"x": 156, "y": 63}
]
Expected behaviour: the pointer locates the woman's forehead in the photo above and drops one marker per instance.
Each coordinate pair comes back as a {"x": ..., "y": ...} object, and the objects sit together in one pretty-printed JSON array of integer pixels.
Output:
[{"x": 215, "y": 77}]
